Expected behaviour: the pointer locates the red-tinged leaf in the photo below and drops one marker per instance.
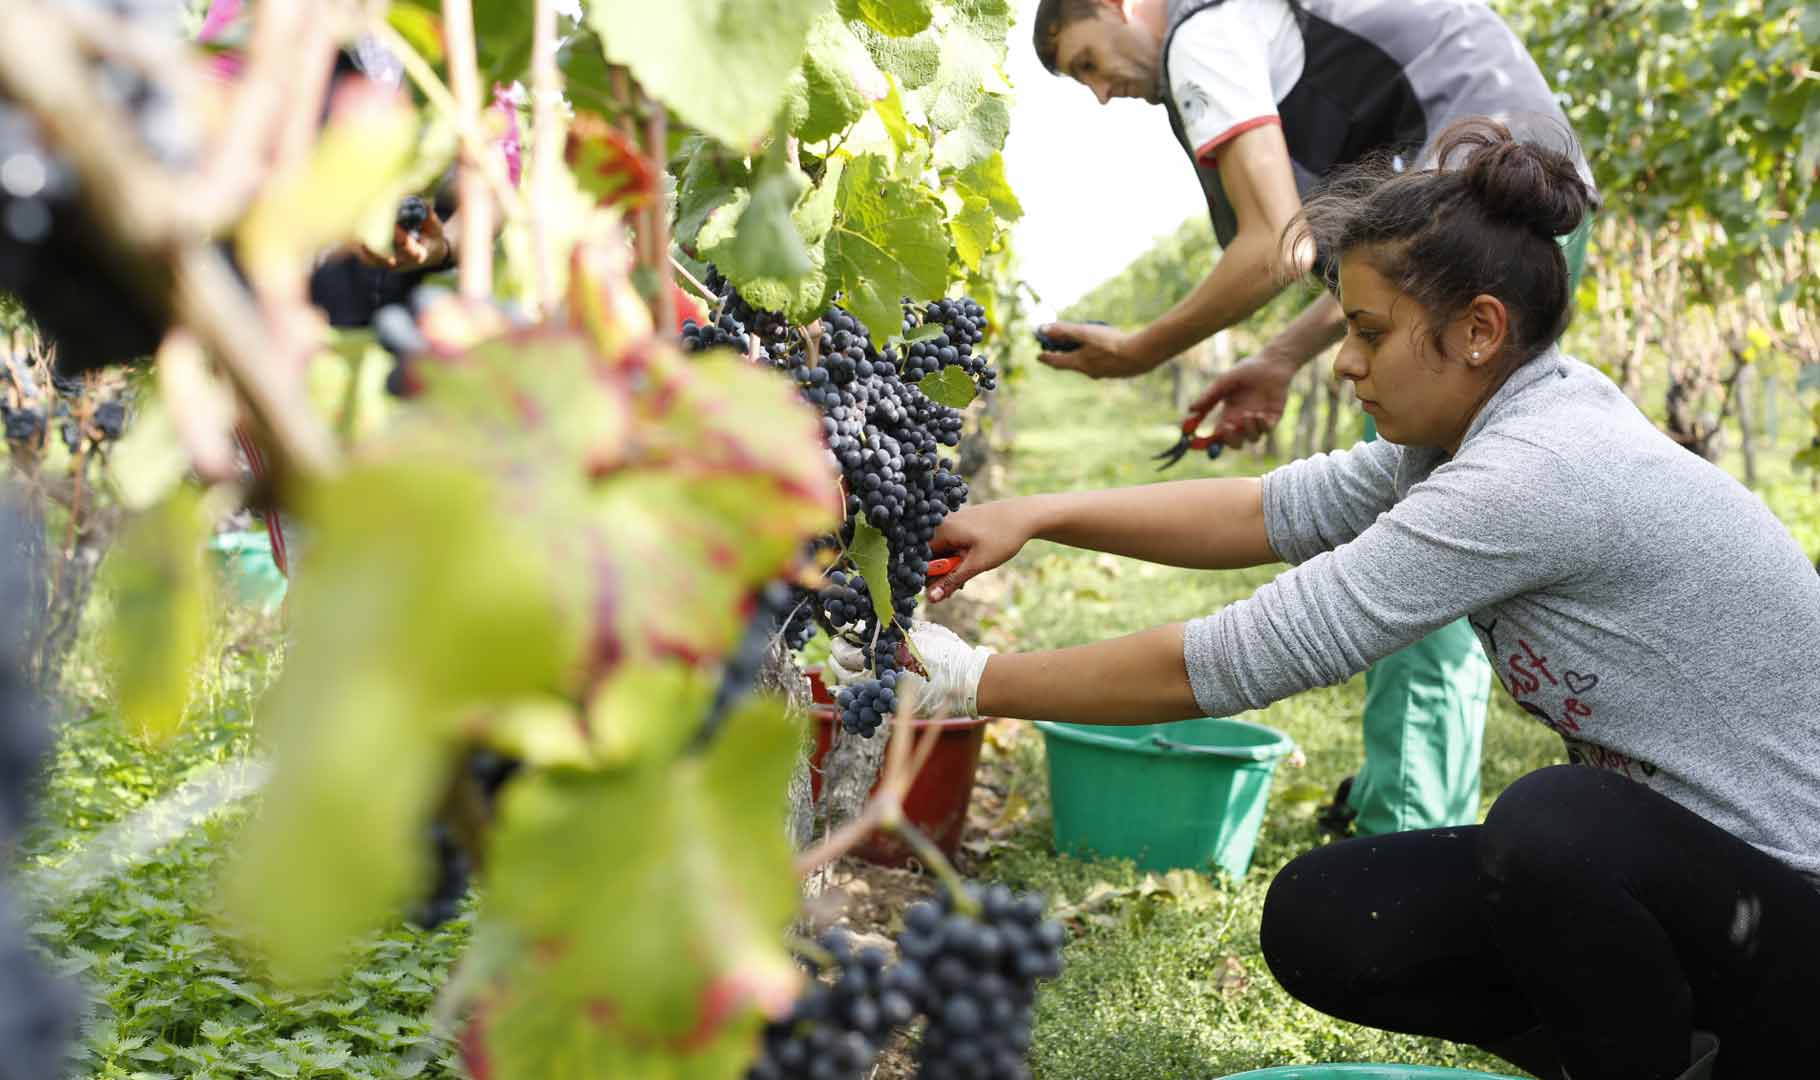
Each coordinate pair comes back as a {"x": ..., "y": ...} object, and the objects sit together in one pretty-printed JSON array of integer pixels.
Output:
[{"x": 609, "y": 166}]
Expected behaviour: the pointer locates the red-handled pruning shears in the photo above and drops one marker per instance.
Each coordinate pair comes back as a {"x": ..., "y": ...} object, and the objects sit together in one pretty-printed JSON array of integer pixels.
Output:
[
  {"x": 1190, "y": 441},
  {"x": 943, "y": 566}
]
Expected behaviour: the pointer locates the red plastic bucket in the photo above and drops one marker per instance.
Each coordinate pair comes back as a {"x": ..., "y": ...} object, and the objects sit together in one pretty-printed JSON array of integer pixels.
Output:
[{"x": 937, "y": 800}]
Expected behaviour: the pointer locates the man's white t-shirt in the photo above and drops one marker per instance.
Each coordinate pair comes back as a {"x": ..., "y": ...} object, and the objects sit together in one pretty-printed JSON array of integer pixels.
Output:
[{"x": 1229, "y": 66}]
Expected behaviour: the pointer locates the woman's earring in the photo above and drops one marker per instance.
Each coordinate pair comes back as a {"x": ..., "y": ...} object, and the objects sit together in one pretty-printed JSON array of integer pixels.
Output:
[{"x": 1475, "y": 354}]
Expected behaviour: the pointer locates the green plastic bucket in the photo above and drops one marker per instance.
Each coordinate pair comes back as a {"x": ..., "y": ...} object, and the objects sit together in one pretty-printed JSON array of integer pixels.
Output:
[
  {"x": 1365, "y": 1072},
  {"x": 245, "y": 559},
  {"x": 1184, "y": 794}
]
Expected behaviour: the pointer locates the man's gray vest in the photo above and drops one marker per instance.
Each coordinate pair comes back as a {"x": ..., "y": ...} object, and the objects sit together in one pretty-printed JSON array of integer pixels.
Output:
[{"x": 1387, "y": 75}]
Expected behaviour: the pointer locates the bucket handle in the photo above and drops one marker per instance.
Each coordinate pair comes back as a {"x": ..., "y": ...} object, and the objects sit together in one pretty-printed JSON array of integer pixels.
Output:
[{"x": 1246, "y": 753}]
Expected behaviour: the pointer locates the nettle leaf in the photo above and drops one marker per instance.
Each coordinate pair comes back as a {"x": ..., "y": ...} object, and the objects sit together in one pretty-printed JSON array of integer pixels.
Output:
[
  {"x": 160, "y": 626},
  {"x": 974, "y": 229},
  {"x": 660, "y": 896},
  {"x": 420, "y": 601},
  {"x": 986, "y": 178},
  {"x": 871, "y": 555},
  {"x": 887, "y": 243},
  {"x": 982, "y": 134},
  {"x": 750, "y": 47},
  {"x": 755, "y": 237},
  {"x": 950, "y": 386}
]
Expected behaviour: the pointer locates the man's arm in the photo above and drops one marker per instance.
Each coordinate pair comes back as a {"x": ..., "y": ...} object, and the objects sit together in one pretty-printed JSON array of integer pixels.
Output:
[
  {"x": 1255, "y": 391},
  {"x": 1255, "y": 171}
]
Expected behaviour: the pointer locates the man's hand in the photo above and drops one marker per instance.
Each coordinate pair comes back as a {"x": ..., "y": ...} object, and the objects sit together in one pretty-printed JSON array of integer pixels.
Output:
[
  {"x": 1104, "y": 352},
  {"x": 951, "y": 685},
  {"x": 1254, "y": 392},
  {"x": 985, "y": 535},
  {"x": 427, "y": 246}
]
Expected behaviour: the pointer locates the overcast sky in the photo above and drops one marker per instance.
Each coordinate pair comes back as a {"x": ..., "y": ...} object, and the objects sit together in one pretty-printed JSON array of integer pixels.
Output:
[{"x": 1099, "y": 183}]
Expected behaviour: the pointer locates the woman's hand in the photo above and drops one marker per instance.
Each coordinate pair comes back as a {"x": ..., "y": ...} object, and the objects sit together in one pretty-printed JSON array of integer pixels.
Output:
[
  {"x": 985, "y": 536},
  {"x": 950, "y": 684}
]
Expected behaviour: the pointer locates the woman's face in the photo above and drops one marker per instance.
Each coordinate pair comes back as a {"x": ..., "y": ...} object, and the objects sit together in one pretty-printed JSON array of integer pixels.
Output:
[{"x": 1420, "y": 395}]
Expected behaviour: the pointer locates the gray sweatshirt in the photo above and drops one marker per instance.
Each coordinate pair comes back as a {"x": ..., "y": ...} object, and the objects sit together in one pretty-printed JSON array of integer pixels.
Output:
[{"x": 1633, "y": 597}]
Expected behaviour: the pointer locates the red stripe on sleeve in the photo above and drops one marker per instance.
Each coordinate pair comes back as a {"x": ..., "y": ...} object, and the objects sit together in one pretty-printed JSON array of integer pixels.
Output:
[{"x": 1206, "y": 156}]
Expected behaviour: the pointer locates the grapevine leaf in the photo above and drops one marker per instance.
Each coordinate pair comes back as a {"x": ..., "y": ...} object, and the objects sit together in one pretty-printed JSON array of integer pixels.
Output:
[
  {"x": 750, "y": 47},
  {"x": 160, "y": 626},
  {"x": 419, "y": 25},
  {"x": 888, "y": 243},
  {"x": 890, "y": 109},
  {"x": 974, "y": 229},
  {"x": 662, "y": 894},
  {"x": 710, "y": 179},
  {"x": 730, "y": 475},
  {"x": 950, "y": 386},
  {"x": 840, "y": 80},
  {"x": 647, "y": 712},
  {"x": 418, "y": 603},
  {"x": 815, "y": 214},
  {"x": 979, "y": 137},
  {"x": 502, "y": 33},
  {"x": 914, "y": 61},
  {"x": 898, "y": 18},
  {"x": 926, "y": 332},
  {"x": 986, "y": 178},
  {"x": 367, "y": 143},
  {"x": 969, "y": 55},
  {"x": 871, "y": 555},
  {"x": 759, "y": 239}
]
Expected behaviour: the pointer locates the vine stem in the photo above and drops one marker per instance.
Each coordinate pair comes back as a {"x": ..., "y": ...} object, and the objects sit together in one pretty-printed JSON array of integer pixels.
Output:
[
  {"x": 683, "y": 272},
  {"x": 476, "y": 255},
  {"x": 467, "y": 129},
  {"x": 904, "y": 760},
  {"x": 546, "y": 148},
  {"x": 656, "y": 136}
]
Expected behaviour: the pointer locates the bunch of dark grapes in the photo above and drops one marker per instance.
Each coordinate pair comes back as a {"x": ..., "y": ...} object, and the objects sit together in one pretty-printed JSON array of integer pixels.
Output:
[
  {"x": 885, "y": 436},
  {"x": 80, "y": 292},
  {"x": 973, "y": 978},
  {"x": 37, "y": 403},
  {"x": 977, "y": 981},
  {"x": 835, "y": 1029},
  {"x": 412, "y": 213}
]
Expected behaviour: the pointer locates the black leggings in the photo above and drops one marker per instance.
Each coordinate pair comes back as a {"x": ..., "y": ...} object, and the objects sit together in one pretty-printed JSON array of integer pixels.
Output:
[{"x": 1588, "y": 905}]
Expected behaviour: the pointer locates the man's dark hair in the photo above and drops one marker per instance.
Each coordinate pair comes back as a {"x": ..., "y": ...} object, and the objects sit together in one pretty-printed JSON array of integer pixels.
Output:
[{"x": 1054, "y": 16}]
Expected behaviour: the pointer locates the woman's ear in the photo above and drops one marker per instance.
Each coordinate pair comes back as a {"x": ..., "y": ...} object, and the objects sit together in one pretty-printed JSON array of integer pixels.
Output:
[{"x": 1485, "y": 330}]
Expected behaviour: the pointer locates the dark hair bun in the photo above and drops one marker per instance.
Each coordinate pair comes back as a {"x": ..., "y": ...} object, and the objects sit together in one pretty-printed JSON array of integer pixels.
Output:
[{"x": 1521, "y": 182}]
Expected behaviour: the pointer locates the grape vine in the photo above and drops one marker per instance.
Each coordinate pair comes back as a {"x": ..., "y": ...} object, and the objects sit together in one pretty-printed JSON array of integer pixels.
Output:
[{"x": 884, "y": 433}]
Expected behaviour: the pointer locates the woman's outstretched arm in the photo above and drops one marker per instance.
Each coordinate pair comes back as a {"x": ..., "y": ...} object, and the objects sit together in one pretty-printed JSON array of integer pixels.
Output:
[{"x": 1136, "y": 679}]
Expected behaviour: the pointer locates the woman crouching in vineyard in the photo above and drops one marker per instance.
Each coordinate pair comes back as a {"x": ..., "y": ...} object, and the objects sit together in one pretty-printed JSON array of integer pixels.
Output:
[{"x": 1654, "y": 915}]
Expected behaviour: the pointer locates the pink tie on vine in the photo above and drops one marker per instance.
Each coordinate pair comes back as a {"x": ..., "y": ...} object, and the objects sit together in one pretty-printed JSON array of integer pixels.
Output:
[
  {"x": 221, "y": 13},
  {"x": 505, "y": 99},
  {"x": 225, "y": 66}
]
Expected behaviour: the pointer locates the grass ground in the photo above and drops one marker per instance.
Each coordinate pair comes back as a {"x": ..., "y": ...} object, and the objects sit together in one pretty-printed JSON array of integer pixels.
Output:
[{"x": 1163, "y": 981}]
